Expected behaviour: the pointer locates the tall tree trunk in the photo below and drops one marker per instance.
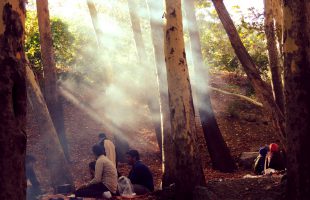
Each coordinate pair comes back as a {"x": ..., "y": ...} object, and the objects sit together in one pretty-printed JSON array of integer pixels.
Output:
[
  {"x": 261, "y": 88},
  {"x": 186, "y": 162},
  {"x": 154, "y": 105},
  {"x": 273, "y": 55},
  {"x": 95, "y": 21},
  {"x": 56, "y": 161},
  {"x": 297, "y": 96},
  {"x": 278, "y": 17},
  {"x": 218, "y": 150},
  {"x": 13, "y": 100},
  {"x": 156, "y": 10},
  {"x": 52, "y": 97}
]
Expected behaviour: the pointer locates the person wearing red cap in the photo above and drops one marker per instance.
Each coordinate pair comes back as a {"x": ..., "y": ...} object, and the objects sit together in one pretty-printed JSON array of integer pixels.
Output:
[{"x": 275, "y": 158}]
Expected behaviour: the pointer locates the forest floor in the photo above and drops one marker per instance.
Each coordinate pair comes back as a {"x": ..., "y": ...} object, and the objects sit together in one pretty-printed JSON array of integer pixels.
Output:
[{"x": 245, "y": 127}]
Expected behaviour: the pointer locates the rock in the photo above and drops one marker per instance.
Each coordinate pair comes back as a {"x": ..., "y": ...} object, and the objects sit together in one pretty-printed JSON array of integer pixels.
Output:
[{"x": 246, "y": 159}]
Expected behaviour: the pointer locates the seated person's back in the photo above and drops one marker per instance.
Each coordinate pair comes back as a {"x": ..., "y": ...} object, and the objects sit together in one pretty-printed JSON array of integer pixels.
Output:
[
  {"x": 139, "y": 175},
  {"x": 109, "y": 147}
]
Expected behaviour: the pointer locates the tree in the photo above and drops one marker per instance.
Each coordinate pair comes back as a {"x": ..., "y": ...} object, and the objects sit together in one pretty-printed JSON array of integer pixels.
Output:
[
  {"x": 13, "y": 100},
  {"x": 52, "y": 97},
  {"x": 297, "y": 96},
  {"x": 278, "y": 18},
  {"x": 274, "y": 62},
  {"x": 218, "y": 150},
  {"x": 122, "y": 145},
  {"x": 185, "y": 162},
  {"x": 262, "y": 89},
  {"x": 56, "y": 161},
  {"x": 95, "y": 21},
  {"x": 154, "y": 105},
  {"x": 64, "y": 43},
  {"x": 156, "y": 9}
]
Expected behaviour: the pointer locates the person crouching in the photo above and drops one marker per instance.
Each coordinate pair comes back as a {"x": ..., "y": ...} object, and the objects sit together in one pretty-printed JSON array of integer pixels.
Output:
[
  {"x": 105, "y": 177},
  {"x": 139, "y": 175}
]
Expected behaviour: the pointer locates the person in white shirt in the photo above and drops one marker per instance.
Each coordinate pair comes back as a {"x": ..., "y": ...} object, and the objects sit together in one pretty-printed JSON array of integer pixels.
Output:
[
  {"x": 105, "y": 177},
  {"x": 108, "y": 146}
]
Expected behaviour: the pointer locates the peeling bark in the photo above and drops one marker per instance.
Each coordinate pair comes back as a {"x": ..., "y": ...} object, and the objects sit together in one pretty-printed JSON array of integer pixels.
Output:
[
  {"x": 13, "y": 101},
  {"x": 278, "y": 17},
  {"x": 156, "y": 10},
  {"x": 185, "y": 163}
]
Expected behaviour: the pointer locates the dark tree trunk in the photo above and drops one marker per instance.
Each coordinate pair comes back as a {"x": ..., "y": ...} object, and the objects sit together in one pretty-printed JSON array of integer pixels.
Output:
[
  {"x": 153, "y": 103},
  {"x": 261, "y": 88},
  {"x": 297, "y": 96},
  {"x": 56, "y": 161},
  {"x": 52, "y": 96},
  {"x": 218, "y": 150},
  {"x": 274, "y": 62},
  {"x": 185, "y": 162},
  {"x": 122, "y": 147},
  {"x": 13, "y": 101}
]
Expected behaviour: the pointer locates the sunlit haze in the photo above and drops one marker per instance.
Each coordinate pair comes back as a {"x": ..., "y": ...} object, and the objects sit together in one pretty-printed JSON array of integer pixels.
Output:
[{"x": 124, "y": 86}]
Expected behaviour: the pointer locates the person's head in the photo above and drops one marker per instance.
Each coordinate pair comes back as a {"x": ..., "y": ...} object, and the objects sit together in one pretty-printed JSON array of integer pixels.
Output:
[
  {"x": 102, "y": 135},
  {"x": 263, "y": 151},
  {"x": 273, "y": 147},
  {"x": 98, "y": 150},
  {"x": 132, "y": 156}
]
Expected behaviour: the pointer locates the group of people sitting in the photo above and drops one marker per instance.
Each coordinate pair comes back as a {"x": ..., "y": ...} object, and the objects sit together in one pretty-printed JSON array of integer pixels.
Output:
[
  {"x": 270, "y": 157},
  {"x": 104, "y": 172}
]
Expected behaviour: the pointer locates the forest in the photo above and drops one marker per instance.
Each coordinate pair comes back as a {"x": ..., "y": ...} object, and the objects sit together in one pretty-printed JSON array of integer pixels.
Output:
[{"x": 154, "y": 100}]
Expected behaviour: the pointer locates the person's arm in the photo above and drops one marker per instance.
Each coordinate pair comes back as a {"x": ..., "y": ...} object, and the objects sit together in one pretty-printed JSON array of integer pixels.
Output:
[{"x": 98, "y": 172}]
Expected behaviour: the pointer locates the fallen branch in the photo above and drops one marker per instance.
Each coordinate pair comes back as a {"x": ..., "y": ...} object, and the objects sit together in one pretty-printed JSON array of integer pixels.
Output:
[{"x": 237, "y": 95}]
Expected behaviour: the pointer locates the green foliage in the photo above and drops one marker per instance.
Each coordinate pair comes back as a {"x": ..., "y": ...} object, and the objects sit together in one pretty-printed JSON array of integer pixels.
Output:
[
  {"x": 202, "y": 4},
  {"x": 32, "y": 41},
  {"x": 216, "y": 46},
  {"x": 63, "y": 42}
]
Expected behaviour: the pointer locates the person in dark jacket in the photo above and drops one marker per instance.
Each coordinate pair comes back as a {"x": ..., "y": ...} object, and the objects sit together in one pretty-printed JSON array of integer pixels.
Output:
[
  {"x": 274, "y": 158},
  {"x": 139, "y": 175},
  {"x": 259, "y": 163}
]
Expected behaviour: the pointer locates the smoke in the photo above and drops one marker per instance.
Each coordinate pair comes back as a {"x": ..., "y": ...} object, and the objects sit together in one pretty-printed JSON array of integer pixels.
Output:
[{"x": 115, "y": 87}]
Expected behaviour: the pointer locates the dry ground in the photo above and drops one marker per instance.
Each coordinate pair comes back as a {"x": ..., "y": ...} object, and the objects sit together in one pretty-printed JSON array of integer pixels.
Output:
[{"x": 243, "y": 125}]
